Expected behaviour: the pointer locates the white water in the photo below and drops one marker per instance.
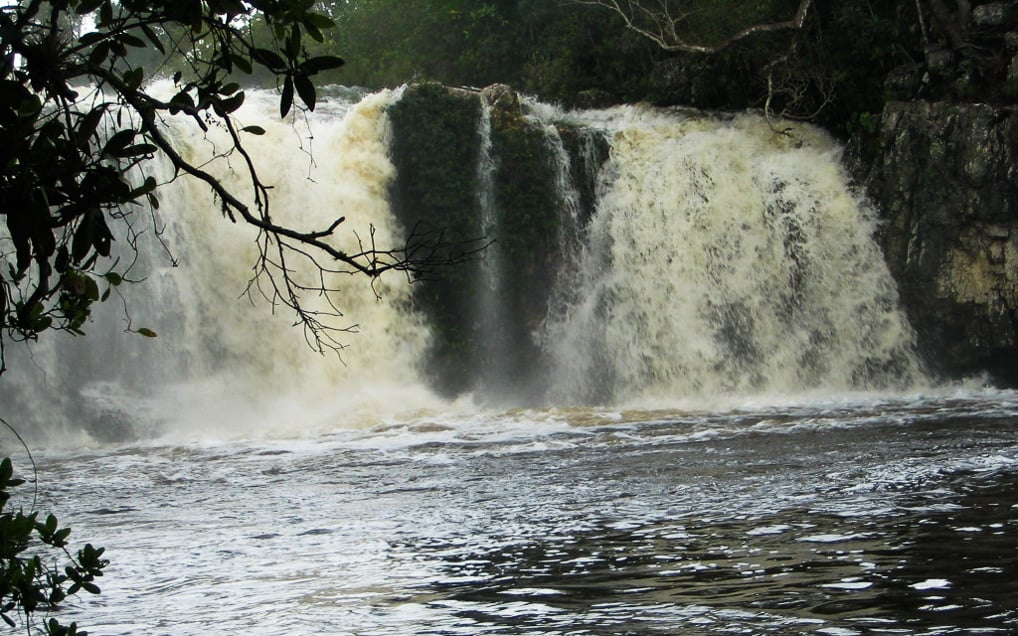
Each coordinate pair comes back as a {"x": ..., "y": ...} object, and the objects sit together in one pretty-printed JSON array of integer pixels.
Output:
[
  {"x": 724, "y": 260},
  {"x": 490, "y": 303},
  {"x": 726, "y": 257},
  {"x": 230, "y": 358},
  {"x": 259, "y": 362}
]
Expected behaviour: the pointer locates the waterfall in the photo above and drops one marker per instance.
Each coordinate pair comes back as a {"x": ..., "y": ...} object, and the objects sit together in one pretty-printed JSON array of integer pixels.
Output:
[
  {"x": 229, "y": 359},
  {"x": 490, "y": 298},
  {"x": 641, "y": 256},
  {"x": 725, "y": 256}
]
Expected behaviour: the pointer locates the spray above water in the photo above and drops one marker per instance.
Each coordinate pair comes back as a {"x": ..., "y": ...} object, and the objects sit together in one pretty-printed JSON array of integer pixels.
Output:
[{"x": 684, "y": 256}]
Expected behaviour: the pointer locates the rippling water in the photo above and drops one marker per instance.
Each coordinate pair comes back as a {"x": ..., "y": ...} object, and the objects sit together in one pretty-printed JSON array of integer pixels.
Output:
[{"x": 868, "y": 516}]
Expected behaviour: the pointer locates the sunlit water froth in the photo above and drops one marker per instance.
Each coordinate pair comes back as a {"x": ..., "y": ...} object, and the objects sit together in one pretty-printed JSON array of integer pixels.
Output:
[
  {"x": 723, "y": 258},
  {"x": 333, "y": 165}
]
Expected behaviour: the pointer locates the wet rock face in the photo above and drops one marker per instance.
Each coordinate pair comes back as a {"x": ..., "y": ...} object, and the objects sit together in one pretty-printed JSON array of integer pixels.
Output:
[{"x": 947, "y": 188}]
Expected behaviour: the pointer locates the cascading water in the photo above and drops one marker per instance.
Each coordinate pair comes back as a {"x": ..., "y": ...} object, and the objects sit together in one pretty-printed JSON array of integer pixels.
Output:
[
  {"x": 226, "y": 355},
  {"x": 692, "y": 297},
  {"x": 698, "y": 256},
  {"x": 490, "y": 296},
  {"x": 725, "y": 256}
]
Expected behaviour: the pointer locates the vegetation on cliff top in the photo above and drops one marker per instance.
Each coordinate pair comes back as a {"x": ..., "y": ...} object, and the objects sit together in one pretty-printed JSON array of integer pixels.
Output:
[{"x": 831, "y": 66}]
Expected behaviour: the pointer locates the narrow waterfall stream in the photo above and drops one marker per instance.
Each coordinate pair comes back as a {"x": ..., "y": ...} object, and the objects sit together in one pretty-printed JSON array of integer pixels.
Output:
[{"x": 675, "y": 396}]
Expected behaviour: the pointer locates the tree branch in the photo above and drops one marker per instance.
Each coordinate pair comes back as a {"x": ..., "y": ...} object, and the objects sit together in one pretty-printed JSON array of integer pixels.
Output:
[{"x": 661, "y": 24}]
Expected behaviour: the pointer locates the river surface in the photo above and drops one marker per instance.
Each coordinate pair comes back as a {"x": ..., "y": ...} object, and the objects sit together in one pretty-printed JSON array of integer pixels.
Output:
[{"x": 862, "y": 515}]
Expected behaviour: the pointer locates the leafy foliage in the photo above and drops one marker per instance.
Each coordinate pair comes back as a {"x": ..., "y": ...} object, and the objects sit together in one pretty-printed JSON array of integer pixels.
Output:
[
  {"x": 30, "y": 582},
  {"x": 829, "y": 68},
  {"x": 559, "y": 51}
]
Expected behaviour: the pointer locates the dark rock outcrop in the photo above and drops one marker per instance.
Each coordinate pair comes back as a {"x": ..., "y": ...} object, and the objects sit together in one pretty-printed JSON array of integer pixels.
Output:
[{"x": 946, "y": 182}]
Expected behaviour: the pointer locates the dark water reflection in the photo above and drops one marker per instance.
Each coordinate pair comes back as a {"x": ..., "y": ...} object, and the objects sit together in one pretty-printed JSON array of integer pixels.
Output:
[
  {"x": 813, "y": 544},
  {"x": 895, "y": 517}
]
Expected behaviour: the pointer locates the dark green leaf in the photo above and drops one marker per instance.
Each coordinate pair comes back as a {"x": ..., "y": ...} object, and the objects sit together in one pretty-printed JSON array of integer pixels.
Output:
[
  {"x": 148, "y": 186},
  {"x": 118, "y": 142},
  {"x": 102, "y": 239},
  {"x": 134, "y": 77},
  {"x": 99, "y": 54},
  {"x": 315, "y": 34},
  {"x": 87, "y": 6},
  {"x": 30, "y": 106},
  {"x": 318, "y": 20},
  {"x": 153, "y": 38},
  {"x": 293, "y": 43},
  {"x": 88, "y": 125},
  {"x": 230, "y": 104},
  {"x": 183, "y": 99},
  {"x": 321, "y": 63},
  {"x": 268, "y": 58},
  {"x": 131, "y": 40},
  {"x": 92, "y": 232},
  {"x": 242, "y": 64},
  {"x": 82, "y": 241},
  {"x": 286, "y": 99},
  {"x": 136, "y": 150},
  {"x": 91, "y": 38},
  {"x": 105, "y": 14},
  {"x": 306, "y": 90},
  {"x": 91, "y": 289}
]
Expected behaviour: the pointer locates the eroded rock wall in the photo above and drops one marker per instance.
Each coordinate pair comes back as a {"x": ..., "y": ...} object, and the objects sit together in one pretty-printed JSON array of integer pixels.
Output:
[{"x": 946, "y": 184}]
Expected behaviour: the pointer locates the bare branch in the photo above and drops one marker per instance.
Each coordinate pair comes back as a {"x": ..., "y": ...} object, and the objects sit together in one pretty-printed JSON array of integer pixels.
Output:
[{"x": 661, "y": 20}]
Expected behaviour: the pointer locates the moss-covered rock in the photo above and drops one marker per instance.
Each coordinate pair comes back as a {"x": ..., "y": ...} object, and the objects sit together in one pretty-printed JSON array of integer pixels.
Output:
[
  {"x": 484, "y": 314},
  {"x": 435, "y": 146}
]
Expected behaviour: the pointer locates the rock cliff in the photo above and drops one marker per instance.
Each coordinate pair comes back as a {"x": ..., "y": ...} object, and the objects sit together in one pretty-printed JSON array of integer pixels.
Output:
[
  {"x": 945, "y": 180},
  {"x": 946, "y": 183}
]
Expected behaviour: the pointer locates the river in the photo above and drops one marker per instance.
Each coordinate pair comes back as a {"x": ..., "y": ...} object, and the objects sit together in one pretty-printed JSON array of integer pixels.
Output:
[{"x": 864, "y": 515}]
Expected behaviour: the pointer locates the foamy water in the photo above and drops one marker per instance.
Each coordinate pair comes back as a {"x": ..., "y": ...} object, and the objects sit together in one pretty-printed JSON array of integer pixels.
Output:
[{"x": 884, "y": 514}]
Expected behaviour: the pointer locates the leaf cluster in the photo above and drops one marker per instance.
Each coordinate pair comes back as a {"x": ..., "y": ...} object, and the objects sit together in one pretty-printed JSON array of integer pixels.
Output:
[{"x": 30, "y": 580}]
